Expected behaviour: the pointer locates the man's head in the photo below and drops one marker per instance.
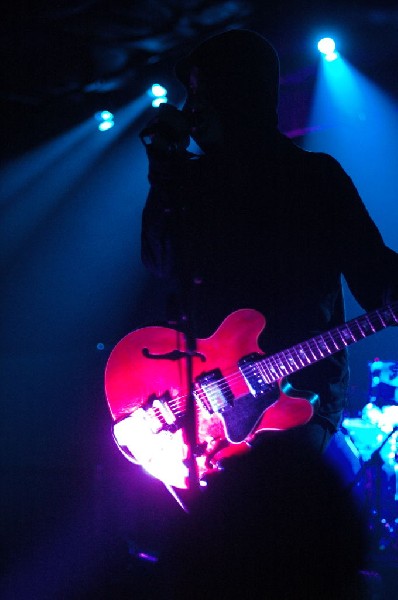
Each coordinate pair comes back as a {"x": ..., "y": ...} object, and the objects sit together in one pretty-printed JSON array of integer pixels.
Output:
[{"x": 234, "y": 76}]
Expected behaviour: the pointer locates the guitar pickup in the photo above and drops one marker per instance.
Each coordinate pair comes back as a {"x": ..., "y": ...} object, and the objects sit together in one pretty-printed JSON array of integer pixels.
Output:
[
  {"x": 255, "y": 379},
  {"x": 214, "y": 391},
  {"x": 163, "y": 413}
]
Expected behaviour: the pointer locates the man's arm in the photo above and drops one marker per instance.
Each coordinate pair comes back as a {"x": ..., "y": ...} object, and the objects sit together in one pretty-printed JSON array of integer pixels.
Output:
[{"x": 368, "y": 265}]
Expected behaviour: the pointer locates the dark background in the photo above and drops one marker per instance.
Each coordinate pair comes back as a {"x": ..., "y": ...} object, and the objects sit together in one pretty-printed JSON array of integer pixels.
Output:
[{"x": 75, "y": 513}]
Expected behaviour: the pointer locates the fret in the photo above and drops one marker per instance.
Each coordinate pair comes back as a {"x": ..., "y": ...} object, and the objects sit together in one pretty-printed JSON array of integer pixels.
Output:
[
  {"x": 366, "y": 326},
  {"x": 361, "y": 331},
  {"x": 286, "y": 361},
  {"x": 263, "y": 364},
  {"x": 337, "y": 339},
  {"x": 344, "y": 343},
  {"x": 269, "y": 377},
  {"x": 287, "y": 366},
  {"x": 315, "y": 357},
  {"x": 324, "y": 346},
  {"x": 370, "y": 323},
  {"x": 264, "y": 371},
  {"x": 318, "y": 348},
  {"x": 345, "y": 335},
  {"x": 394, "y": 317},
  {"x": 280, "y": 364},
  {"x": 273, "y": 368},
  {"x": 381, "y": 318},
  {"x": 333, "y": 340},
  {"x": 268, "y": 367},
  {"x": 294, "y": 366},
  {"x": 303, "y": 364},
  {"x": 302, "y": 353},
  {"x": 350, "y": 334}
]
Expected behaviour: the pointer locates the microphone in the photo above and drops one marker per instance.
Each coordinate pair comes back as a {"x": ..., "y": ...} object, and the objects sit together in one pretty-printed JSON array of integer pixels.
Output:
[{"x": 169, "y": 131}]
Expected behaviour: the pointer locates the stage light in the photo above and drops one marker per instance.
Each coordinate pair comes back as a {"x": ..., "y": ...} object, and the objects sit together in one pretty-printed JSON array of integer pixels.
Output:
[
  {"x": 104, "y": 115},
  {"x": 158, "y": 101},
  {"x": 158, "y": 93},
  {"x": 158, "y": 90},
  {"x": 105, "y": 120},
  {"x": 105, "y": 125},
  {"x": 327, "y": 47},
  {"x": 331, "y": 56}
]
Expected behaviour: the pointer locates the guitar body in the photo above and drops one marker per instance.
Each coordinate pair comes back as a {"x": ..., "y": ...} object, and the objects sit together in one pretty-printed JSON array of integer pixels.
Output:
[
  {"x": 238, "y": 391},
  {"x": 146, "y": 388}
]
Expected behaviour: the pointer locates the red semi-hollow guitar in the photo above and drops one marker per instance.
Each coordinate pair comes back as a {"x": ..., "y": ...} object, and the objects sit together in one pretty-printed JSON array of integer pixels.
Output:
[{"x": 238, "y": 390}]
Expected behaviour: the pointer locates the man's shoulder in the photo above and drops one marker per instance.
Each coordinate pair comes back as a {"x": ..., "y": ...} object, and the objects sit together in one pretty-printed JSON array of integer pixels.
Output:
[
  {"x": 305, "y": 159},
  {"x": 289, "y": 145}
]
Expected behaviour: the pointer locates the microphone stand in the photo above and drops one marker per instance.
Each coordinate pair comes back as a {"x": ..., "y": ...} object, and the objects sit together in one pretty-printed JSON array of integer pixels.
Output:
[
  {"x": 183, "y": 254},
  {"x": 188, "y": 284},
  {"x": 375, "y": 459},
  {"x": 190, "y": 424}
]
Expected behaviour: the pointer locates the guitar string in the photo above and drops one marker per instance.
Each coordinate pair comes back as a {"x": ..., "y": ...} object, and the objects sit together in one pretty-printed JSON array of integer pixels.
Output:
[
  {"x": 319, "y": 341},
  {"x": 220, "y": 387},
  {"x": 273, "y": 368},
  {"x": 373, "y": 320}
]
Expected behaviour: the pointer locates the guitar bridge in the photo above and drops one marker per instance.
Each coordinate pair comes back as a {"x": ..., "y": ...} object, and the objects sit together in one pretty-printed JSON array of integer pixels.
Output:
[{"x": 214, "y": 391}]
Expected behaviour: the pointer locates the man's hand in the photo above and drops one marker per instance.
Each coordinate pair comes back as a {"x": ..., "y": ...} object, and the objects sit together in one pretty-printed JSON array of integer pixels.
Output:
[{"x": 168, "y": 131}]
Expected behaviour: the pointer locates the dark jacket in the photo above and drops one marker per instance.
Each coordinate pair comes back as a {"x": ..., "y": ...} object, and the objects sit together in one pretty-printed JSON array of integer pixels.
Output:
[{"x": 274, "y": 229}]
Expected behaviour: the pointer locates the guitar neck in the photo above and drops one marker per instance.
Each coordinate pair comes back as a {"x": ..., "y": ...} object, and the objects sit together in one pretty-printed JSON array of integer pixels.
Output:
[{"x": 319, "y": 347}]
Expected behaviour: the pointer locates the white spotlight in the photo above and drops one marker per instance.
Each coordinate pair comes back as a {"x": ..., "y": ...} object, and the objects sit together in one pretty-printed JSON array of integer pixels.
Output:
[
  {"x": 158, "y": 90},
  {"x": 158, "y": 101},
  {"x": 331, "y": 56},
  {"x": 158, "y": 93},
  {"x": 104, "y": 115},
  {"x": 326, "y": 45},
  {"x": 105, "y": 120},
  {"x": 105, "y": 125}
]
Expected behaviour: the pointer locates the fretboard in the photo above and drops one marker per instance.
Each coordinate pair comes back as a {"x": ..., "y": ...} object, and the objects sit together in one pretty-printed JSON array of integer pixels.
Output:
[{"x": 306, "y": 353}]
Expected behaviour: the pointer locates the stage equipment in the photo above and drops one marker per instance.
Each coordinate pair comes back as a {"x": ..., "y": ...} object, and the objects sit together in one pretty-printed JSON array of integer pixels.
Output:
[
  {"x": 105, "y": 120},
  {"x": 158, "y": 93},
  {"x": 327, "y": 47},
  {"x": 375, "y": 437},
  {"x": 383, "y": 382}
]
